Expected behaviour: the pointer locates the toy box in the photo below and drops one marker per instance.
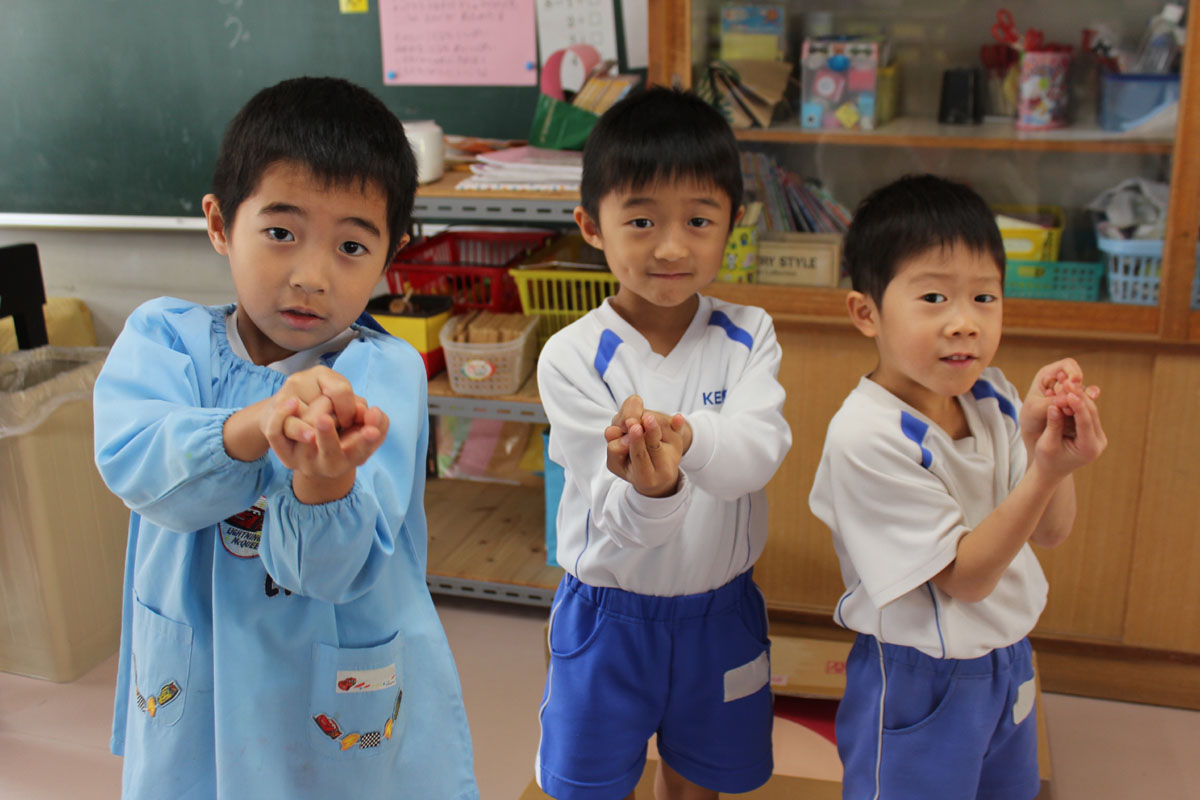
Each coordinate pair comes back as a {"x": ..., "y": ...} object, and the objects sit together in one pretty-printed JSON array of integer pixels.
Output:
[
  {"x": 842, "y": 80},
  {"x": 419, "y": 325}
]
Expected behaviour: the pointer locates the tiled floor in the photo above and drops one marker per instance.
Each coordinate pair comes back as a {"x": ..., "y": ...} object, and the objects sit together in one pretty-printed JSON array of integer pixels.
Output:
[{"x": 54, "y": 737}]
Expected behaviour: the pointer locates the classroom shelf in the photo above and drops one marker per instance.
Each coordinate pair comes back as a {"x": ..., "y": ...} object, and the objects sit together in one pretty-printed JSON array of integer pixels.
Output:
[
  {"x": 441, "y": 201},
  {"x": 924, "y": 132},
  {"x": 1046, "y": 318},
  {"x": 522, "y": 406},
  {"x": 488, "y": 542}
]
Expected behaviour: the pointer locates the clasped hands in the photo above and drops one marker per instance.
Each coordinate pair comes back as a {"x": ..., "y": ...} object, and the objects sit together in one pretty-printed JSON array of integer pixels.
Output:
[
  {"x": 645, "y": 447},
  {"x": 1060, "y": 420},
  {"x": 320, "y": 429}
]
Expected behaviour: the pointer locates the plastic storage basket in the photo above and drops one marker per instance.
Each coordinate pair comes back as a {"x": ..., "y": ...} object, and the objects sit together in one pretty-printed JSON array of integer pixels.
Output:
[
  {"x": 469, "y": 266},
  {"x": 562, "y": 282},
  {"x": 1134, "y": 270},
  {"x": 1128, "y": 100},
  {"x": 555, "y": 480},
  {"x": 1032, "y": 244},
  {"x": 488, "y": 369},
  {"x": 1053, "y": 280}
]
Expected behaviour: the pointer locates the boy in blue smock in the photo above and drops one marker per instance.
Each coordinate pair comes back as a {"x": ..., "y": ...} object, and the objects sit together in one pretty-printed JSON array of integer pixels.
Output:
[
  {"x": 667, "y": 415},
  {"x": 935, "y": 479},
  {"x": 278, "y": 638}
]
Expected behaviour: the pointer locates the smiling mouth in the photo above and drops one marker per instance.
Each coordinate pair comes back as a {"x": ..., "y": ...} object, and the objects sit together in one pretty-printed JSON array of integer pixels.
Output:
[{"x": 958, "y": 358}]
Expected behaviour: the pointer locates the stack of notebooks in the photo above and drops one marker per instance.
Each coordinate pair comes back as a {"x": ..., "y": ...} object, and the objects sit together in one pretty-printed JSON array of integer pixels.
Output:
[
  {"x": 526, "y": 169},
  {"x": 791, "y": 203}
]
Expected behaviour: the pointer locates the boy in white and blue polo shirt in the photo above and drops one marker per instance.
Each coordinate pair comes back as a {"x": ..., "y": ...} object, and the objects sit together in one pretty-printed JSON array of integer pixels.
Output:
[
  {"x": 667, "y": 417},
  {"x": 935, "y": 479}
]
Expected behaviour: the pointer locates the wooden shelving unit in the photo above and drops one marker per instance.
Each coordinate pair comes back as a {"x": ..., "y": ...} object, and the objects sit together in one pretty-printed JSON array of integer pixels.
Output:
[
  {"x": 922, "y": 133},
  {"x": 441, "y": 201},
  {"x": 487, "y": 539}
]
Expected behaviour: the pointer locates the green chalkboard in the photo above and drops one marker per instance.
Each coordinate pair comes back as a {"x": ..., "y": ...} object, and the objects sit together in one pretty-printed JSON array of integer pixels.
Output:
[{"x": 118, "y": 106}]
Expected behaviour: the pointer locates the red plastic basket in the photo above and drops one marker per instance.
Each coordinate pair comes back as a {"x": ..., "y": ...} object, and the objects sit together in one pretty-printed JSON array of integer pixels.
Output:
[{"x": 470, "y": 266}]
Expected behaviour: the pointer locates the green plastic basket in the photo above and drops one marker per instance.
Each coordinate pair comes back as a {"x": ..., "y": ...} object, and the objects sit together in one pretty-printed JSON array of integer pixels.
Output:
[{"x": 1053, "y": 280}]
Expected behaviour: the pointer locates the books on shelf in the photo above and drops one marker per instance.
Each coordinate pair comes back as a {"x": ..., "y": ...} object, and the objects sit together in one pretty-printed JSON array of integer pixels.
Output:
[
  {"x": 791, "y": 203},
  {"x": 534, "y": 169}
]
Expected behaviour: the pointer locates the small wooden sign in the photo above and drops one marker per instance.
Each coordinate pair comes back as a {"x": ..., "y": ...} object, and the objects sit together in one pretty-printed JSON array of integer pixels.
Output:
[{"x": 800, "y": 259}]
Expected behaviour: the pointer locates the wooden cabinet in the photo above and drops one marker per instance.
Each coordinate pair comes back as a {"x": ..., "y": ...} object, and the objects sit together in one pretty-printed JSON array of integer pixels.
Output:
[{"x": 1123, "y": 618}]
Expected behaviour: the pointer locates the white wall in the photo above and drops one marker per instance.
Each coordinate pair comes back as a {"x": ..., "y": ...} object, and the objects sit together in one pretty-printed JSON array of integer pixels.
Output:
[{"x": 115, "y": 270}]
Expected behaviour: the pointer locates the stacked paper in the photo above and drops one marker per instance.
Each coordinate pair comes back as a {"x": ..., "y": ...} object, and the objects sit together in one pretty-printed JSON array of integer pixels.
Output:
[{"x": 531, "y": 169}]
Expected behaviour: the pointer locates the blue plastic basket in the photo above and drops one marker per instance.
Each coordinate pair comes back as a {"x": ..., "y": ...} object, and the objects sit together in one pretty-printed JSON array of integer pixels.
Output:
[
  {"x": 1054, "y": 280},
  {"x": 553, "y": 474},
  {"x": 1134, "y": 270}
]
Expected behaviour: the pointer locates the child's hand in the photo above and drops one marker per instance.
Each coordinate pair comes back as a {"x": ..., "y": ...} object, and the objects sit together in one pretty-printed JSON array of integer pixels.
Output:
[
  {"x": 647, "y": 453},
  {"x": 632, "y": 411},
  {"x": 318, "y": 381},
  {"x": 1073, "y": 436},
  {"x": 310, "y": 443},
  {"x": 322, "y": 431},
  {"x": 1050, "y": 387}
]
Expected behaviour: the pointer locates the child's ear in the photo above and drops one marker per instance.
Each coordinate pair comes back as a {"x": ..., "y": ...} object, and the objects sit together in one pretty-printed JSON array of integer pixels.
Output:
[
  {"x": 404, "y": 240},
  {"x": 863, "y": 313},
  {"x": 589, "y": 228},
  {"x": 217, "y": 230},
  {"x": 738, "y": 216}
]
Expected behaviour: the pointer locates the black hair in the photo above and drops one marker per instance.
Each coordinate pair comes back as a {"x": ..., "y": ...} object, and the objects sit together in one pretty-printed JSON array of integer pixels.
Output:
[
  {"x": 910, "y": 216},
  {"x": 338, "y": 130},
  {"x": 660, "y": 134}
]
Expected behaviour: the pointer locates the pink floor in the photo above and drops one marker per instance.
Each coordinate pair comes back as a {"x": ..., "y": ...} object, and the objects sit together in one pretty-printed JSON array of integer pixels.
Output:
[{"x": 54, "y": 737}]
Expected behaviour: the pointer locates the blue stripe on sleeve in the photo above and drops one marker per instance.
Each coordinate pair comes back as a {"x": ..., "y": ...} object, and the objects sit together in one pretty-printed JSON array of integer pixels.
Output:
[
  {"x": 982, "y": 389},
  {"x": 722, "y": 320},
  {"x": 609, "y": 342},
  {"x": 915, "y": 429}
]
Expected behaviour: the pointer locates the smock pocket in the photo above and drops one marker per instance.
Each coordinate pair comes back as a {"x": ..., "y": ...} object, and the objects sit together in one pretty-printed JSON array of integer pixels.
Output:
[
  {"x": 160, "y": 663},
  {"x": 357, "y": 699}
]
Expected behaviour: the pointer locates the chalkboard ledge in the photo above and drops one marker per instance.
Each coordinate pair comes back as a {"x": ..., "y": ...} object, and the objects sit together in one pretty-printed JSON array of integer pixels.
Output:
[{"x": 100, "y": 222}]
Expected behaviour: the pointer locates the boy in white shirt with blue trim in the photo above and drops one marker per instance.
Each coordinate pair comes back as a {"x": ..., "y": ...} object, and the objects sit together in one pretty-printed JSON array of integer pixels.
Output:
[
  {"x": 935, "y": 479},
  {"x": 667, "y": 417}
]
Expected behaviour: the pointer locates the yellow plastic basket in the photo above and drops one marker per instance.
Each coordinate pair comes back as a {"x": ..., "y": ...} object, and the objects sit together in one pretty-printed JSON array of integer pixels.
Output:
[
  {"x": 558, "y": 297},
  {"x": 1032, "y": 244}
]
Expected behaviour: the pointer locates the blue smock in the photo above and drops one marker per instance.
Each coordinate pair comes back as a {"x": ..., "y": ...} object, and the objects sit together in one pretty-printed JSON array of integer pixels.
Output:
[{"x": 271, "y": 648}]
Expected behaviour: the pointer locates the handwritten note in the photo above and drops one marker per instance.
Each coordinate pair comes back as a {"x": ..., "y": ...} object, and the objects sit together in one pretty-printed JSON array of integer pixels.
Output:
[
  {"x": 562, "y": 23},
  {"x": 458, "y": 42}
]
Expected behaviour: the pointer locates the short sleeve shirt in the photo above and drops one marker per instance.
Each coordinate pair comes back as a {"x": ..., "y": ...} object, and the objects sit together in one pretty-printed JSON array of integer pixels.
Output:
[{"x": 898, "y": 493}]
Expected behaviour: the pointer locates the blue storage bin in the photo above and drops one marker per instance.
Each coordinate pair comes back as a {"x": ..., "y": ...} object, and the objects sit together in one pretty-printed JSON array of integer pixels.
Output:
[
  {"x": 553, "y": 474},
  {"x": 1134, "y": 269},
  {"x": 1128, "y": 100}
]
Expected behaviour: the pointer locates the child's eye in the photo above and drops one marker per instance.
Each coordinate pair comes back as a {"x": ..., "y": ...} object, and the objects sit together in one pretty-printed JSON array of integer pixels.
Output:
[
  {"x": 986, "y": 298},
  {"x": 280, "y": 235},
  {"x": 641, "y": 222},
  {"x": 699, "y": 222},
  {"x": 353, "y": 249},
  {"x": 934, "y": 297}
]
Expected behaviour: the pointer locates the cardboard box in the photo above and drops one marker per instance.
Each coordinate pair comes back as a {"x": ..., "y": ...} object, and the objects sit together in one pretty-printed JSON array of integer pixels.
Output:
[{"x": 800, "y": 259}]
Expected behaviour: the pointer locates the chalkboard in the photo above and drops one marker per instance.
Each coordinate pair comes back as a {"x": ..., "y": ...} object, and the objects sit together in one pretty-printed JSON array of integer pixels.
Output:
[{"x": 118, "y": 106}]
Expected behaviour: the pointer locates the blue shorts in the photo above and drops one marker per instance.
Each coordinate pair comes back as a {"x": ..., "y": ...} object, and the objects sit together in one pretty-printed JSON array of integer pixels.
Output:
[
  {"x": 694, "y": 669},
  {"x": 914, "y": 726}
]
